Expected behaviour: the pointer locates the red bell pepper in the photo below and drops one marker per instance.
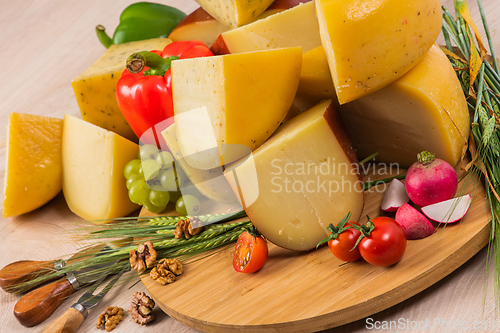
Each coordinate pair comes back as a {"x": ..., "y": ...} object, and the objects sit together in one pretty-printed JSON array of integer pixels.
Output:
[{"x": 144, "y": 91}]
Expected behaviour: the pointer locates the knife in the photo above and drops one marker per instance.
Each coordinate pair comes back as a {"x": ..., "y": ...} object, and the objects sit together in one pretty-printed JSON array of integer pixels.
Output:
[
  {"x": 37, "y": 305},
  {"x": 72, "y": 319},
  {"x": 21, "y": 271}
]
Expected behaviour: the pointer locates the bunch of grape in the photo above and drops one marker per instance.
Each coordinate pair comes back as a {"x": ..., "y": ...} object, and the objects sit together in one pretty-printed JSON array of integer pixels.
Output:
[{"x": 154, "y": 180}]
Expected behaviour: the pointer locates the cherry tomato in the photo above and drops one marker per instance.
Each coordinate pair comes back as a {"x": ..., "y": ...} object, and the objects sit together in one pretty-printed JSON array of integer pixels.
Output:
[
  {"x": 342, "y": 246},
  {"x": 250, "y": 253},
  {"x": 384, "y": 243}
]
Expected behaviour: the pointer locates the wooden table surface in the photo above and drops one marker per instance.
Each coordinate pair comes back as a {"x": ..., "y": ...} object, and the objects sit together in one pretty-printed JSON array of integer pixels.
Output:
[{"x": 44, "y": 44}]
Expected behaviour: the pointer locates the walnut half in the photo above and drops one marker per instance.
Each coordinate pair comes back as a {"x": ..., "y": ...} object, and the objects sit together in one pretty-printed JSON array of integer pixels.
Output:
[
  {"x": 110, "y": 318},
  {"x": 141, "y": 308},
  {"x": 185, "y": 228},
  {"x": 142, "y": 258}
]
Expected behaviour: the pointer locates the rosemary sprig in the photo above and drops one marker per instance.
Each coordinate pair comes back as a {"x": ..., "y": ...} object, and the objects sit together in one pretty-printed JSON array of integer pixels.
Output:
[{"x": 483, "y": 97}]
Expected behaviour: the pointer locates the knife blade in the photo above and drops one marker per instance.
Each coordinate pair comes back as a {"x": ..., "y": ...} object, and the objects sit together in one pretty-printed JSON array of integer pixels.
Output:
[
  {"x": 72, "y": 319},
  {"x": 12, "y": 275},
  {"x": 37, "y": 305}
]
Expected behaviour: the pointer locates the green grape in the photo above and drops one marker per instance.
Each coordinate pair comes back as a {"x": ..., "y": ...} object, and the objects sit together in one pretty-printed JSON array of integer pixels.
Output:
[
  {"x": 131, "y": 168},
  {"x": 165, "y": 160},
  {"x": 138, "y": 192},
  {"x": 132, "y": 179},
  {"x": 168, "y": 181},
  {"x": 152, "y": 208},
  {"x": 174, "y": 196},
  {"x": 182, "y": 178},
  {"x": 148, "y": 152},
  {"x": 159, "y": 198},
  {"x": 150, "y": 169},
  {"x": 188, "y": 205}
]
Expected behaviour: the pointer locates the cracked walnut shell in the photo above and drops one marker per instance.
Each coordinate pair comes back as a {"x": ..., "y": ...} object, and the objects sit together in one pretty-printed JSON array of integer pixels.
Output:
[
  {"x": 185, "y": 228},
  {"x": 141, "y": 308},
  {"x": 142, "y": 258},
  {"x": 110, "y": 318}
]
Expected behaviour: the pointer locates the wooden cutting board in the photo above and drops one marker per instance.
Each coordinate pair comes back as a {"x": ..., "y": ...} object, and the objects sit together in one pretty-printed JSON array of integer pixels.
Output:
[{"x": 312, "y": 291}]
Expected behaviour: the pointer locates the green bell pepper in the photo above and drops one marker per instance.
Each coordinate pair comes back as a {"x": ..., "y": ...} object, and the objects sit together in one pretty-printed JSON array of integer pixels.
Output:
[{"x": 142, "y": 20}]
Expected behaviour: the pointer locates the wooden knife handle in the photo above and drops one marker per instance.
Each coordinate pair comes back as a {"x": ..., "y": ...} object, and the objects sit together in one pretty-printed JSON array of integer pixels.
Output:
[
  {"x": 22, "y": 271},
  {"x": 69, "y": 322},
  {"x": 39, "y": 304}
]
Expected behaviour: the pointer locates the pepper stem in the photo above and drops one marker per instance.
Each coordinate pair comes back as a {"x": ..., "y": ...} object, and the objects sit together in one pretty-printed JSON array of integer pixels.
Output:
[
  {"x": 157, "y": 65},
  {"x": 425, "y": 157},
  {"x": 103, "y": 36}
]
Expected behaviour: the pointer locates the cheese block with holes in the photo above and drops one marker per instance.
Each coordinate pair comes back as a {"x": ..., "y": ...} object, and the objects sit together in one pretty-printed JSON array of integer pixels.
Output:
[
  {"x": 303, "y": 178},
  {"x": 226, "y": 106},
  {"x": 234, "y": 13},
  {"x": 96, "y": 87},
  {"x": 296, "y": 26},
  {"x": 371, "y": 43},
  {"x": 33, "y": 167},
  {"x": 423, "y": 110},
  {"x": 93, "y": 162}
]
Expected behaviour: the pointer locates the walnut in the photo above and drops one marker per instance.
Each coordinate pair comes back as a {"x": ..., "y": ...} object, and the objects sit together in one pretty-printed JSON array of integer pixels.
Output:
[
  {"x": 142, "y": 258},
  {"x": 184, "y": 227},
  {"x": 110, "y": 318},
  {"x": 141, "y": 308},
  {"x": 166, "y": 270}
]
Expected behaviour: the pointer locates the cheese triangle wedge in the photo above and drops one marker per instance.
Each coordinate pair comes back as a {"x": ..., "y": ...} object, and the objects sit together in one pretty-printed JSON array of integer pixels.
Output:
[{"x": 226, "y": 106}]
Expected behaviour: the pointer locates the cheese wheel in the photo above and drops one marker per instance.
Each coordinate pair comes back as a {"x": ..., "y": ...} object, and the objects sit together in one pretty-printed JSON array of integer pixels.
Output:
[
  {"x": 423, "y": 110},
  {"x": 303, "y": 178},
  {"x": 371, "y": 43}
]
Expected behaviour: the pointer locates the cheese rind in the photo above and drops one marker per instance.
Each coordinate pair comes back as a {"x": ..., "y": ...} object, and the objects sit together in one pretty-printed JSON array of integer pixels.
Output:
[
  {"x": 95, "y": 89},
  {"x": 234, "y": 13},
  {"x": 297, "y": 26},
  {"x": 93, "y": 163},
  {"x": 246, "y": 96},
  {"x": 33, "y": 166},
  {"x": 371, "y": 43},
  {"x": 302, "y": 179},
  {"x": 423, "y": 110}
]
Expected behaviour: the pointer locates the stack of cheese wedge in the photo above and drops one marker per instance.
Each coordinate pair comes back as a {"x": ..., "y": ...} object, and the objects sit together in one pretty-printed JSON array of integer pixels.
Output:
[{"x": 385, "y": 88}]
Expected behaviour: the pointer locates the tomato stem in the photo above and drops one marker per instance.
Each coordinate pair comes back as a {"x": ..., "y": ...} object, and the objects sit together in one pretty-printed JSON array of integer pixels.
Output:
[
  {"x": 366, "y": 231},
  {"x": 157, "y": 65},
  {"x": 336, "y": 231}
]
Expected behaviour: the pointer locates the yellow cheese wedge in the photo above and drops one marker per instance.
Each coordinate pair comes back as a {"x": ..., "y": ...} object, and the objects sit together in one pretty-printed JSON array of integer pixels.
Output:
[
  {"x": 315, "y": 82},
  {"x": 95, "y": 88},
  {"x": 93, "y": 161},
  {"x": 210, "y": 183},
  {"x": 297, "y": 26},
  {"x": 423, "y": 110},
  {"x": 234, "y": 13},
  {"x": 33, "y": 167},
  {"x": 226, "y": 106},
  {"x": 301, "y": 180},
  {"x": 202, "y": 26},
  {"x": 371, "y": 43}
]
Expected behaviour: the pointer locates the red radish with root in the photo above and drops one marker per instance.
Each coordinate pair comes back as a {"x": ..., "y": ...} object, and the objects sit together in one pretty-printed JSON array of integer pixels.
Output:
[
  {"x": 448, "y": 211},
  {"x": 414, "y": 224},
  {"x": 395, "y": 196},
  {"x": 430, "y": 180}
]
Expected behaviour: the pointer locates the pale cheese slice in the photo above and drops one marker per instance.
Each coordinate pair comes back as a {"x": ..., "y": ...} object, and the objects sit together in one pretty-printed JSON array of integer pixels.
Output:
[
  {"x": 296, "y": 26},
  {"x": 93, "y": 162}
]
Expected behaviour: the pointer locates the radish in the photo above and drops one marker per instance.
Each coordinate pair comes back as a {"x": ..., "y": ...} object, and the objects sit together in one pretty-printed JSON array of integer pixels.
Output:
[
  {"x": 448, "y": 211},
  {"x": 430, "y": 180},
  {"x": 395, "y": 196},
  {"x": 414, "y": 224}
]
